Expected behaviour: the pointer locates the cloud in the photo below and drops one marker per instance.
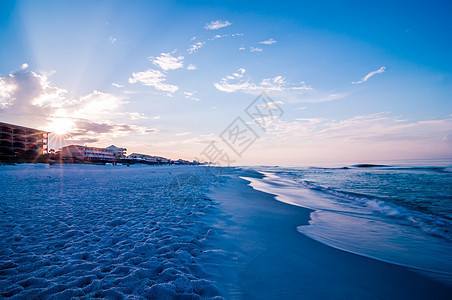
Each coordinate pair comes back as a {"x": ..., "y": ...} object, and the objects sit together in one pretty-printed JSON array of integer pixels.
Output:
[
  {"x": 255, "y": 49},
  {"x": 365, "y": 78},
  {"x": 193, "y": 48},
  {"x": 7, "y": 90},
  {"x": 133, "y": 115},
  {"x": 362, "y": 137},
  {"x": 191, "y": 67},
  {"x": 268, "y": 42},
  {"x": 214, "y": 25},
  {"x": 153, "y": 78},
  {"x": 137, "y": 116},
  {"x": 117, "y": 85},
  {"x": 190, "y": 96},
  {"x": 218, "y": 36},
  {"x": 183, "y": 133},
  {"x": 30, "y": 93},
  {"x": 112, "y": 39},
  {"x": 30, "y": 99},
  {"x": 291, "y": 92},
  {"x": 239, "y": 82},
  {"x": 318, "y": 96},
  {"x": 242, "y": 48},
  {"x": 168, "y": 62},
  {"x": 94, "y": 106},
  {"x": 86, "y": 131},
  {"x": 24, "y": 66}
]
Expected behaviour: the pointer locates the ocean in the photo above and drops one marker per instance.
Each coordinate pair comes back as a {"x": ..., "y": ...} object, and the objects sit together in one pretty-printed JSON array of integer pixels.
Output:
[{"x": 399, "y": 211}]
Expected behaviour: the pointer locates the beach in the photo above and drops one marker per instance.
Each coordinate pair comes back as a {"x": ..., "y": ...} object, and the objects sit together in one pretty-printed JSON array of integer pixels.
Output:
[
  {"x": 275, "y": 261},
  {"x": 99, "y": 231},
  {"x": 174, "y": 232}
]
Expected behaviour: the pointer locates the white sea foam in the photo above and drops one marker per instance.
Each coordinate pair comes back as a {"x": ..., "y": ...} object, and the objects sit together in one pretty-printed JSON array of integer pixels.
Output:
[{"x": 366, "y": 226}]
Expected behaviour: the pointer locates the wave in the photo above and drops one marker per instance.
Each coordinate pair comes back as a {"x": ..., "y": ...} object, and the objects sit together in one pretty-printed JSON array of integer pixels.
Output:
[
  {"x": 403, "y": 168},
  {"x": 387, "y": 167},
  {"x": 431, "y": 224},
  {"x": 433, "y": 169}
]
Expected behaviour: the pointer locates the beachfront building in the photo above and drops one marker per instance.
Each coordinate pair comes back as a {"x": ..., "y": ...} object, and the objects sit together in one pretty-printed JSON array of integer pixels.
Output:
[
  {"x": 119, "y": 153},
  {"x": 183, "y": 162},
  {"x": 148, "y": 158},
  {"x": 22, "y": 142},
  {"x": 86, "y": 153}
]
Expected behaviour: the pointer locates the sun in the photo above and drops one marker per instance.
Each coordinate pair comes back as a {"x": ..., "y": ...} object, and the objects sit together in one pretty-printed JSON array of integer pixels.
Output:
[{"x": 61, "y": 126}]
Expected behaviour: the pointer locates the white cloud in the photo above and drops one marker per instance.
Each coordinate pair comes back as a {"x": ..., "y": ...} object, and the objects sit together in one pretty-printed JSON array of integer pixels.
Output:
[
  {"x": 117, "y": 85},
  {"x": 214, "y": 25},
  {"x": 95, "y": 106},
  {"x": 225, "y": 35},
  {"x": 168, "y": 62},
  {"x": 24, "y": 66},
  {"x": 190, "y": 96},
  {"x": 255, "y": 49},
  {"x": 153, "y": 78},
  {"x": 239, "y": 82},
  {"x": 377, "y": 127},
  {"x": 363, "y": 137},
  {"x": 197, "y": 45},
  {"x": 112, "y": 39},
  {"x": 218, "y": 36},
  {"x": 32, "y": 100},
  {"x": 191, "y": 67},
  {"x": 365, "y": 78},
  {"x": 242, "y": 48},
  {"x": 317, "y": 96},
  {"x": 26, "y": 87},
  {"x": 137, "y": 116},
  {"x": 268, "y": 42},
  {"x": 7, "y": 88},
  {"x": 193, "y": 48},
  {"x": 183, "y": 133}
]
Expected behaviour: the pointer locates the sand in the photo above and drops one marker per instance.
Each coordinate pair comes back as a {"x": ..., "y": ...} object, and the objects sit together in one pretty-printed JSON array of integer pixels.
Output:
[
  {"x": 111, "y": 232},
  {"x": 175, "y": 232}
]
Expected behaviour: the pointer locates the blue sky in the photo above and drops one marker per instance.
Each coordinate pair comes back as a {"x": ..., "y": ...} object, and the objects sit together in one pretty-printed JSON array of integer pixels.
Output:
[{"x": 357, "y": 81}]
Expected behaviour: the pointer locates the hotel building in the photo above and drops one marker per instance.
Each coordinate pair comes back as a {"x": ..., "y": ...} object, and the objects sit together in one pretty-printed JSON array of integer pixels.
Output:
[
  {"x": 22, "y": 142},
  {"x": 87, "y": 153},
  {"x": 148, "y": 158}
]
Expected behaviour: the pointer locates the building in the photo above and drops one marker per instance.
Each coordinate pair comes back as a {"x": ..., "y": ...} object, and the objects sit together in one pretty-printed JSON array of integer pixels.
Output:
[
  {"x": 148, "y": 158},
  {"x": 22, "y": 142},
  {"x": 183, "y": 162},
  {"x": 86, "y": 153},
  {"x": 119, "y": 153}
]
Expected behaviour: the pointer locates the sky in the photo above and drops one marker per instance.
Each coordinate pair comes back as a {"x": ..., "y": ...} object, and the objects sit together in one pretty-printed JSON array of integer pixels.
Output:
[{"x": 233, "y": 82}]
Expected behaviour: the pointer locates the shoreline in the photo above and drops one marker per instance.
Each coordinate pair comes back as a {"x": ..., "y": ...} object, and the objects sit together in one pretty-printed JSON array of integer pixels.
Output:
[{"x": 271, "y": 259}]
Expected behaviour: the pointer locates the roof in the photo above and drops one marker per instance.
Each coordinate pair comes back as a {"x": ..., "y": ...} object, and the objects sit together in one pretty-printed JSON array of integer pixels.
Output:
[
  {"x": 113, "y": 147},
  {"x": 139, "y": 154},
  {"x": 23, "y": 127}
]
